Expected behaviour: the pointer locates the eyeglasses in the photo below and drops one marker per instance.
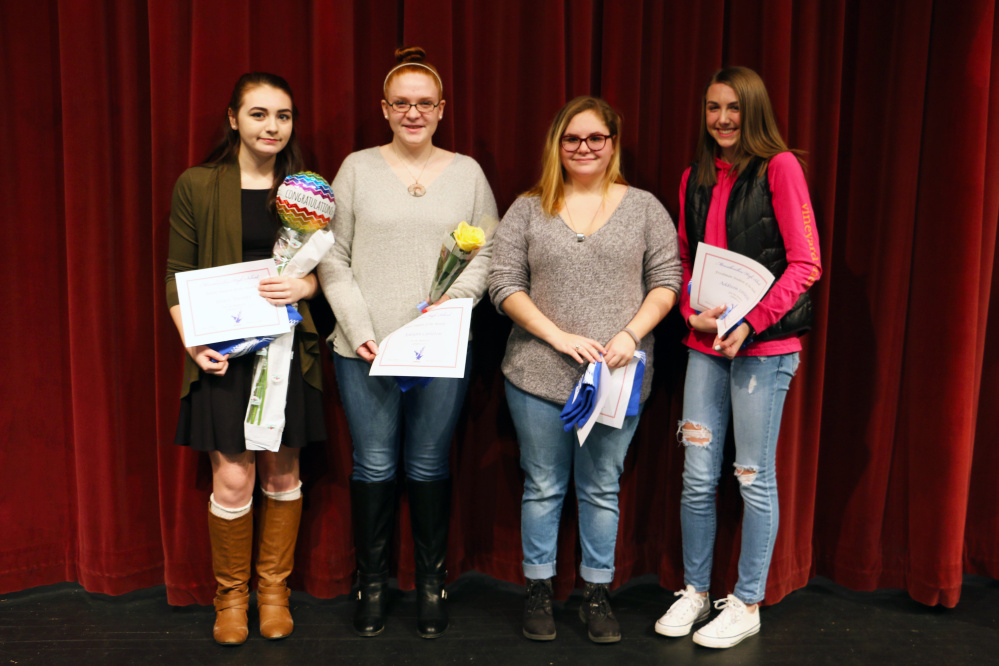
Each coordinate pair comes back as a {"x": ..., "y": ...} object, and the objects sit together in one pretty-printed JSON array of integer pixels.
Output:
[
  {"x": 422, "y": 107},
  {"x": 594, "y": 142}
]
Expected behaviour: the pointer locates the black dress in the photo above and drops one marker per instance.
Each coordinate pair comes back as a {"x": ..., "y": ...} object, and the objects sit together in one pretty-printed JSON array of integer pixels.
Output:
[{"x": 212, "y": 413}]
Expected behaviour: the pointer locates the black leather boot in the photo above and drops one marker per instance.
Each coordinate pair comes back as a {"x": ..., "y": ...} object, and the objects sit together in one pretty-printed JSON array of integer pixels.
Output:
[
  {"x": 373, "y": 513},
  {"x": 430, "y": 509},
  {"x": 601, "y": 625},
  {"x": 539, "y": 623}
]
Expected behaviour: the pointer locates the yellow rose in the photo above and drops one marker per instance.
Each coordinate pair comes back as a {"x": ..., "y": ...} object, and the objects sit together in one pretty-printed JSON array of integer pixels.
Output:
[{"x": 467, "y": 237}]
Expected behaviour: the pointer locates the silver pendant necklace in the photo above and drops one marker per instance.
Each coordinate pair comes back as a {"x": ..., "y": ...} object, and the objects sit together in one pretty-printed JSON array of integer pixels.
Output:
[
  {"x": 572, "y": 224},
  {"x": 416, "y": 189}
]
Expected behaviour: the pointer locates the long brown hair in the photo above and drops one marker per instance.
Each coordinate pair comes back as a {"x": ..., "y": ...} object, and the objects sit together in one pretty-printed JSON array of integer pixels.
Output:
[
  {"x": 551, "y": 186},
  {"x": 225, "y": 153},
  {"x": 759, "y": 135}
]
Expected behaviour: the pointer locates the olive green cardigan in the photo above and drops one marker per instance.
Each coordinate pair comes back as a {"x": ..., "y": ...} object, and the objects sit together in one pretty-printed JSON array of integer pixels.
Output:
[{"x": 206, "y": 230}]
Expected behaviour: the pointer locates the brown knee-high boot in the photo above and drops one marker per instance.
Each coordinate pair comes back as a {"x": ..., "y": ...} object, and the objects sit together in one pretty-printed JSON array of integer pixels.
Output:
[
  {"x": 232, "y": 542},
  {"x": 276, "y": 537}
]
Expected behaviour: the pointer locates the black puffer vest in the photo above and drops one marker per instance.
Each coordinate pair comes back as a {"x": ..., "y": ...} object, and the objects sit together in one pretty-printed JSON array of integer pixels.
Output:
[{"x": 752, "y": 231}]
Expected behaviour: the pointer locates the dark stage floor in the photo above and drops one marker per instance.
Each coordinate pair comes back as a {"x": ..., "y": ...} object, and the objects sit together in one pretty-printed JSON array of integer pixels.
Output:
[{"x": 821, "y": 624}]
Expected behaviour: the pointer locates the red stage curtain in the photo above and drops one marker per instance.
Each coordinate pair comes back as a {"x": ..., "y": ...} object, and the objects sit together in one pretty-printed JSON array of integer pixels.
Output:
[{"x": 882, "y": 483}]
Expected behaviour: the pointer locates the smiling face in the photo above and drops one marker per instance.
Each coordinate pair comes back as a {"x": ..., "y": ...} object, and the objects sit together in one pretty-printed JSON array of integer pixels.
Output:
[
  {"x": 412, "y": 127},
  {"x": 264, "y": 121},
  {"x": 722, "y": 117},
  {"x": 587, "y": 164}
]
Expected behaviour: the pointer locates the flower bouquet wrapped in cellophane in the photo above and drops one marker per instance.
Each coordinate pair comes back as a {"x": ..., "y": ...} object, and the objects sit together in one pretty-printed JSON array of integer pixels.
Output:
[
  {"x": 457, "y": 253},
  {"x": 305, "y": 207}
]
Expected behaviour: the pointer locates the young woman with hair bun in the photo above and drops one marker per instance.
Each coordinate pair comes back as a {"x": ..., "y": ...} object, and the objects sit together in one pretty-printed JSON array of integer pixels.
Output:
[
  {"x": 396, "y": 204},
  {"x": 747, "y": 193},
  {"x": 223, "y": 213}
]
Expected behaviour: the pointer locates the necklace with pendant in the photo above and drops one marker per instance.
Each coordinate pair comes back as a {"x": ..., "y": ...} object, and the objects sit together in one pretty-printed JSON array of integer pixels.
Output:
[
  {"x": 572, "y": 225},
  {"x": 416, "y": 189}
]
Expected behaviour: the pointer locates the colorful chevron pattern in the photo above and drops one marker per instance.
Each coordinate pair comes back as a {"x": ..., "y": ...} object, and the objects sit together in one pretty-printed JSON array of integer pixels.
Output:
[{"x": 305, "y": 202}]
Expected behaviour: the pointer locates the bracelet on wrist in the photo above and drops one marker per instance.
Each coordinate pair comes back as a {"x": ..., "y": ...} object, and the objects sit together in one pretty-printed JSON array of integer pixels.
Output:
[{"x": 634, "y": 337}]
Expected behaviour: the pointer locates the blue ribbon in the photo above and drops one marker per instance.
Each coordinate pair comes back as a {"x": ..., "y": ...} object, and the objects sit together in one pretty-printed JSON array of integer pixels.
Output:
[
  {"x": 406, "y": 383},
  {"x": 636, "y": 391},
  {"x": 244, "y": 346},
  {"x": 580, "y": 405}
]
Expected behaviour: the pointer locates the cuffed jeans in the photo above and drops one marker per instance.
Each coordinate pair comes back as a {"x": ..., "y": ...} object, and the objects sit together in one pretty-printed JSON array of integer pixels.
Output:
[
  {"x": 752, "y": 389},
  {"x": 547, "y": 455},
  {"x": 382, "y": 418}
]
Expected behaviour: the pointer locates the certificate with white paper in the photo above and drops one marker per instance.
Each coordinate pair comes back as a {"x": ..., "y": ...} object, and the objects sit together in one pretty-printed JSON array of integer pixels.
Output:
[
  {"x": 620, "y": 383},
  {"x": 432, "y": 345},
  {"x": 723, "y": 277},
  {"x": 603, "y": 393},
  {"x": 223, "y": 303}
]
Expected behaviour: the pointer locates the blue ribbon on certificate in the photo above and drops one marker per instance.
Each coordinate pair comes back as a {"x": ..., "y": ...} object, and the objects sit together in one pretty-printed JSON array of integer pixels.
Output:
[
  {"x": 636, "y": 391},
  {"x": 244, "y": 346},
  {"x": 406, "y": 383},
  {"x": 580, "y": 405}
]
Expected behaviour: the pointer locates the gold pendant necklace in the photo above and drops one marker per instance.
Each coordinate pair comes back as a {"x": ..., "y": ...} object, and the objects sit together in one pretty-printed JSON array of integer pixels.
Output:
[{"x": 416, "y": 189}]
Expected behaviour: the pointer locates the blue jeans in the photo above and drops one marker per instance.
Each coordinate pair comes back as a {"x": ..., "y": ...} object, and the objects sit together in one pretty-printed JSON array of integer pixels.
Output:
[
  {"x": 547, "y": 454},
  {"x": 382, "y": 419},
  {"x": 752, "y": 389}
]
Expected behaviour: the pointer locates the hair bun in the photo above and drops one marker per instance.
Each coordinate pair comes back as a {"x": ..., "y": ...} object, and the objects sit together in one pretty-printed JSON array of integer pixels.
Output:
[{"x": 410, "y": 54}]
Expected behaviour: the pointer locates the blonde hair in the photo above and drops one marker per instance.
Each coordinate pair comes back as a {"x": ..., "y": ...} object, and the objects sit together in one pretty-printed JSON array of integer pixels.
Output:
[
  {"x": 759, "y": 135},
  {"x": 551, "y": 186},
  {"x": 412, "y": 60}
]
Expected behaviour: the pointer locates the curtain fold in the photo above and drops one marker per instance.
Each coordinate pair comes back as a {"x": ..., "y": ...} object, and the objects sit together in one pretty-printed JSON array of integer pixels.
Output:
[
  {"x": 886, "y": 465},
  {"x": 982, "y": 526},
  {"x": 109, "y": 266},
  {"x": 859, "y": 532}
]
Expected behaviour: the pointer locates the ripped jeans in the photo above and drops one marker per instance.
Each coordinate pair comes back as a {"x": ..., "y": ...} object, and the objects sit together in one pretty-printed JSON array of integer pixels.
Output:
[{"x": 752, "y": 389}]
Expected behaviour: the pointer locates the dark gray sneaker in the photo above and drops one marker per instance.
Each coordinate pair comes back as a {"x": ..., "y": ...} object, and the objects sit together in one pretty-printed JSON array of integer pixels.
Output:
[
  {"x": 601, "y": 625},
  {"x": 539, "y": 625}
]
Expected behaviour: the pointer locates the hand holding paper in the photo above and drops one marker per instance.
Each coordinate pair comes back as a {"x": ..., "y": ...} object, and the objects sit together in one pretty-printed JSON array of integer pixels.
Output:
[
  {"x": 432, "y": 345},
  {"x": 209, "y": 360},
  {"x": 224, "y": 303},
  {"x": 722, "y": 277},
  {"x": 732, "y": 343},
  {"x": 604, "y": 396},
  {"x": 624, "y": 390}
]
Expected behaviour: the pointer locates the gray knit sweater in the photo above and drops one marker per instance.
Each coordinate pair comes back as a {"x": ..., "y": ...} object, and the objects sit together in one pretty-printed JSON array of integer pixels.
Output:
[
  {"x": 593, "y": 288},
  {"x": 387, "y": 243}
]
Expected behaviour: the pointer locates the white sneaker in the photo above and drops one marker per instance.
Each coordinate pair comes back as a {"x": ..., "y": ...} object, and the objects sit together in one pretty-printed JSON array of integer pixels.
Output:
[
  {"x": 685, "y": 611},
  {"x": 733, "y": 624}
]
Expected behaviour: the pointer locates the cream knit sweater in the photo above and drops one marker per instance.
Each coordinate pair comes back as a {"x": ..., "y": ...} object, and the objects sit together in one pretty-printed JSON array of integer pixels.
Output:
[{"x": 387, "y": 243}]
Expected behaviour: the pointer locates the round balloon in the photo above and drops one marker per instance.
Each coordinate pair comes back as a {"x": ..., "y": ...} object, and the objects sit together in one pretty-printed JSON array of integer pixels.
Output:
[{"x": 305, "y": 202}]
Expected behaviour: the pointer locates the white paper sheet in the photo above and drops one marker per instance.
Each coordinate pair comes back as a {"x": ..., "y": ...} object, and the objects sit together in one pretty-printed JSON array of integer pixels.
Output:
[
  {"x": 722, "y": 277},
  {"x": 223, "y": 303},
  {"x": 603, "y": 391},
  {"x": 432, "y": 345},
  {"x": 620, "y": 383}
]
